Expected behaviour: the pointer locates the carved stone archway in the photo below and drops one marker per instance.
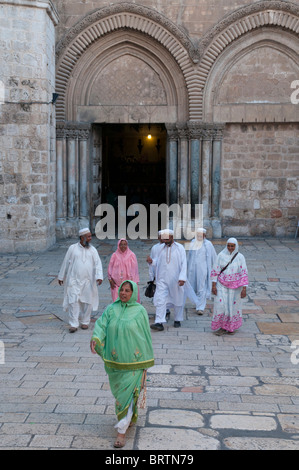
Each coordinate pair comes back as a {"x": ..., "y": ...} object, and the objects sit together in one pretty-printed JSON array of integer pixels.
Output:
[
  {"x": 99, "y": 40},
  {"x": 145, "y": 23},
  {"x": 195, "y": 63},
  {"x": 246, "y": 21},
  {"x": 101, "y": 67},
  {"x": 194, "y": 139},
  {"x": 267, "y": 99},
  {"x": 265, "y": 26}
]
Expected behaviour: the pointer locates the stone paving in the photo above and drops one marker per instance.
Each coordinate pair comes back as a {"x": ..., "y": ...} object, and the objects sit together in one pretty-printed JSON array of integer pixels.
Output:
[{"x": 205, "y": 392}]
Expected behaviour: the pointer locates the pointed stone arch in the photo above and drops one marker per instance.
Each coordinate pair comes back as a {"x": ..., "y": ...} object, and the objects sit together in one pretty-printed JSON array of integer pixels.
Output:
[
  {"x": 234, "y": 95},
  {"x": 123, "y": 89},
  {"x": 194, "y": 64},
  {"x": 125, "y": 17},
  {"x": 194, "y": 140},
  {"x": 277, "y": 15}
]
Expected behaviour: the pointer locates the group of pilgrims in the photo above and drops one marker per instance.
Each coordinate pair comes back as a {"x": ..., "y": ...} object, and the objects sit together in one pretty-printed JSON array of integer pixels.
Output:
[
  {"x": 121, "y": 335},
  {"x": 178, "y": 274},
  {"x": 196, "y": 275}
]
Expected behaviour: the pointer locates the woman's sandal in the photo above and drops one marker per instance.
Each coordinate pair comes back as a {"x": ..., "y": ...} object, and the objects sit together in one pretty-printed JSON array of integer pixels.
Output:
[
  {"x": 120, "y": 442},
  {"x": 220, "y": 332}
]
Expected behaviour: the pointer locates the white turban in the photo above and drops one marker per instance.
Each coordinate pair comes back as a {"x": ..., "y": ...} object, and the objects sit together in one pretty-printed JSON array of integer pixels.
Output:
[
  {"x": 166, "y": 233},
  {"x": 83, "y": 231},
  {"x": 201, "y": 230}
]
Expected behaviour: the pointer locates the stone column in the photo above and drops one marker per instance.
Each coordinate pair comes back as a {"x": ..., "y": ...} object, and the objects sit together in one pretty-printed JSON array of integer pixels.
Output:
[
  {"x": 206, "y": 170},
  {"x": 97, "y": 157},
  {"x": 61, "y": 181},
  {"x": 95, "y": 190},
  {"x": 60, "y": 160},
  {"x": 216, "y": 170},
  {"x": 172, "y": 164},
  {"x": 194, "y": 169},
  {"x": 72, "y": 172},
  {"x": 195, "y": 129},
  {"x": 72, "y": 177},
  {"x": 216, "y": 180},
  {"x": 183, "y": 167},
  {"x": 83, "y": 174}
]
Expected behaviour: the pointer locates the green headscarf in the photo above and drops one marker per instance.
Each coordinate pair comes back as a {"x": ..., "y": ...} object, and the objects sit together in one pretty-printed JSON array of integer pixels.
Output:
[
  {"x": 124, "y": 342},
  {"x": 122, "y": 335}
]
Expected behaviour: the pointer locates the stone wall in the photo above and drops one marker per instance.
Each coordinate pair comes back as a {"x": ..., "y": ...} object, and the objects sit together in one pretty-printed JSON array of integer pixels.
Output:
[
  {"x": 260, "y": 179},
  {"x": 237, "y": 61},
  {"x": 193, "y": 16},
  {"x": 201, "y": 55},
  {"x": 27, "y": 125}
]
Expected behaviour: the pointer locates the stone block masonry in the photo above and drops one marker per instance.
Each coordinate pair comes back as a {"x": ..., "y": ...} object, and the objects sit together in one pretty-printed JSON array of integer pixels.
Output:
[
  {"x": 235, "y": 392},
  {"x": 260, "y": 179},
  {"x": 27, "y": 125},
  {"x": 219, "y": 76}
]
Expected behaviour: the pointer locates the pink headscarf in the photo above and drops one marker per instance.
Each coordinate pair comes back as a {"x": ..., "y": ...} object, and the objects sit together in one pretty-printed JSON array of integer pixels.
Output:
[
  {"x": 122, "y": 266},
  {"x": 123, "y": 255}
]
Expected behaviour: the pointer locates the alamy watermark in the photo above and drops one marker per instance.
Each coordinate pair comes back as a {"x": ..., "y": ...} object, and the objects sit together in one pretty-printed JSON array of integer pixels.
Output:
[
  {"x": 2, "y": 92},
  {"x": 146, "y": 221},
  {"x": 295, "y": 94},
  {"x": 295, "y": 354},
  {"x": 2, "y": 353}
]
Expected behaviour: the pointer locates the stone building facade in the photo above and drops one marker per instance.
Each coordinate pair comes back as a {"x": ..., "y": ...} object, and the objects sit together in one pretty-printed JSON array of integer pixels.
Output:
[{"x": 214, "y": 82}]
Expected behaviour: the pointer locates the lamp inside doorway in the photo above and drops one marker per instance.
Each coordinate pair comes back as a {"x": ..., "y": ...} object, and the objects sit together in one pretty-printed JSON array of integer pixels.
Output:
[{"x": 149, "y": 135}]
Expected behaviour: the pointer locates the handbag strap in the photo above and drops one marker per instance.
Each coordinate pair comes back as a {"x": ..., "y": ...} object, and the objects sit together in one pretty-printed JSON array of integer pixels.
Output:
[{"x": 223, "y": 269}]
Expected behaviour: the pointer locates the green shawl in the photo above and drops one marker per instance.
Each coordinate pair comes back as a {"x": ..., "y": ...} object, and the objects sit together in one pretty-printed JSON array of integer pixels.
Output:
[{"x": 123, "y": 340}]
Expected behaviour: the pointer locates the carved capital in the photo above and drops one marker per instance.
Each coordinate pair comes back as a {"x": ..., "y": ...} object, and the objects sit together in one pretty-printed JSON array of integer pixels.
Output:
[
  {"x": 73, "y": 131},
  {"x": 195, "y": 130},
  {"x": 183, "y": 130},
  {"x": 60, "y": 132},
  {"x": 218, "y": 131},
  {"x": 83, "y": 134},
  {"x": 172, "y": 132},
  {"x": 70, "y": 134}
]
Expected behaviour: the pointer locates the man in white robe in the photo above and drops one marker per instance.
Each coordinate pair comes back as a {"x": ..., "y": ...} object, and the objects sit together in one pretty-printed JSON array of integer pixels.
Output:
[
  {"x": 200, "y": 260},
  {"x": 152, "y": 269},
  {"x": 154, "y": 250},
  {"x": 81, "y": 272},
  {"x": 170, "y": 266}
]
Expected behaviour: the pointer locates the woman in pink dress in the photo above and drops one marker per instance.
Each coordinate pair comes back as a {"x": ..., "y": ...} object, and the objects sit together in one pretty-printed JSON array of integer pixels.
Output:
[
  {"x": 229, "y": 280},
  {"x": 122, "y": 266}
]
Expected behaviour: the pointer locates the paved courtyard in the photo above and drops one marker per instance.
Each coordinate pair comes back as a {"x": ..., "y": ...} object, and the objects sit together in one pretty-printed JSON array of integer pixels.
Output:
[{"x": 205, "y": 392}]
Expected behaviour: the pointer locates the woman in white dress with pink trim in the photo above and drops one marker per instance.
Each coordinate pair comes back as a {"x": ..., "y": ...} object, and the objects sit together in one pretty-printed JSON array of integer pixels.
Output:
[{"x": 229, "y": 280}]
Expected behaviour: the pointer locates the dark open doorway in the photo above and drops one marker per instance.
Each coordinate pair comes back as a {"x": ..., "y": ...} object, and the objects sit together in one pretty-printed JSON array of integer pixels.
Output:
[{"x": 134, "y": 163}]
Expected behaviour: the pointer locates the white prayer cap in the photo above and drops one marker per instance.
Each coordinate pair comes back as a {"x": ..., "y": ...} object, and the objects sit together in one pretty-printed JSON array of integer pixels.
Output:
[
  {"x": 83, "y": 231},
  {"x": 201, "y": 230},
  {"x": 166, "y": 233}
]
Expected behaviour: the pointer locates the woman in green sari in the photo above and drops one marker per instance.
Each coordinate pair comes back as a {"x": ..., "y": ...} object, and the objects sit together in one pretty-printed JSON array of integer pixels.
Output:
[{"x": 123, "y": 340}]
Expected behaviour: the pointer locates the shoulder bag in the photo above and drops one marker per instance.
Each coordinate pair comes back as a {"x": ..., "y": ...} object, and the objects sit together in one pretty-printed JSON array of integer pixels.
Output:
[
  {"x": 150, "y": 289},
  {"x": 223, "y": 269}
]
